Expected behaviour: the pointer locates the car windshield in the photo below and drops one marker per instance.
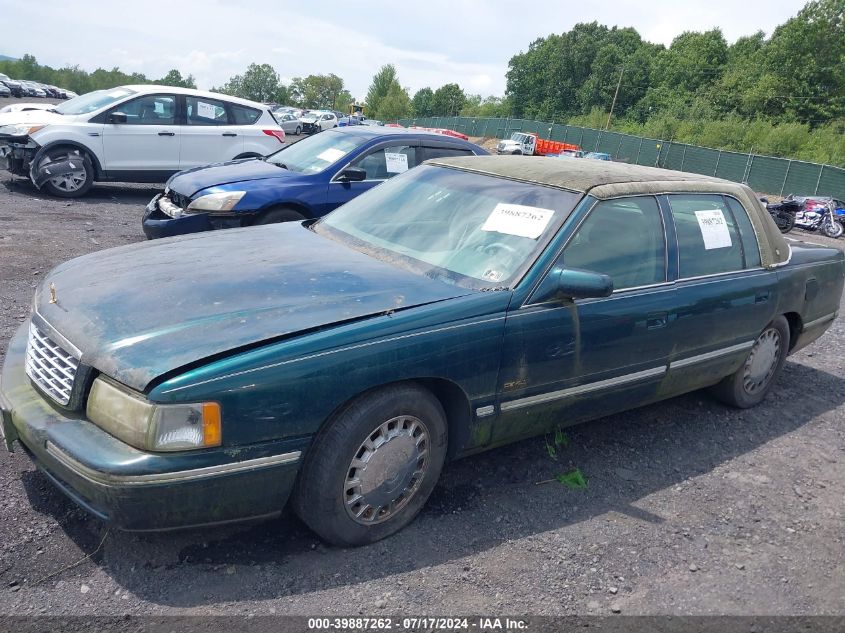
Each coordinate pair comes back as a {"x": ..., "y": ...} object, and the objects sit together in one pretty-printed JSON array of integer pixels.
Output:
[
  {"x": 92, "y": 101},
  {"x": 464, "y": 228},
  {"x": 519, "y": 138},
  {"x": 315, "y": 153}
]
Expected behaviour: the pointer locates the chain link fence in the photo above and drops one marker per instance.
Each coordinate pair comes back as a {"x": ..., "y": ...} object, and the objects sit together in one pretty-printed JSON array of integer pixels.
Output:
[{"x": 765, "y": 174}]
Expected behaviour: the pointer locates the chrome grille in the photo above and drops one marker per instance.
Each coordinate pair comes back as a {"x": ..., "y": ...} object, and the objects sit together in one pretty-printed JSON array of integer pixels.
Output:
[{"x": 49, "y": 366}]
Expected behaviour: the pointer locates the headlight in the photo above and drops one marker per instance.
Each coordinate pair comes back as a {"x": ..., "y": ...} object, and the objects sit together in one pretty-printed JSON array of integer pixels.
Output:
[
  {"x": 150, "y": 426},
  {"x": 21, "y": 129},
  {"x": 223, "y": 201}
]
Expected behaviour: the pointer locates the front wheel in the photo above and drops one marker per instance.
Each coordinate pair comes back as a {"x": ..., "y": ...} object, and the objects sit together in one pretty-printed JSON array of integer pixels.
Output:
[
  {"x": 76, "y": 173},
  {"x": 372, "y": 468},
  {"x": 749, "y": 384},
  {"x": 832, "y": 229}
]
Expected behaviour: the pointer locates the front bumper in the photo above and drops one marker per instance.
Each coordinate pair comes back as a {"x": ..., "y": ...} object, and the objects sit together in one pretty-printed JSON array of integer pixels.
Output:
[
  {"x": 132, "y": 489},
  {"x": 311, "y": 128},
  {"x": 16, "y": 154},
  {"x": 156, "y": 223}
]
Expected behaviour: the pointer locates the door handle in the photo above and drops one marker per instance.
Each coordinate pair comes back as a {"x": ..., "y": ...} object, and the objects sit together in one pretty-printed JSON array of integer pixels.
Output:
[
  {"x": 656, "y": 320},
  {"x": 229, "y": 134},
  {"x": 167, "y": 133},
  {"x": 761, "y": 297}
]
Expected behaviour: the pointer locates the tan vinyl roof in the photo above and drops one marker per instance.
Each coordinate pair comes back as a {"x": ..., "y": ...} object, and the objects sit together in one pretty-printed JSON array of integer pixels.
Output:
[
  {"x": 575, "y": 174},
  {"x": 605, "y": 179}
]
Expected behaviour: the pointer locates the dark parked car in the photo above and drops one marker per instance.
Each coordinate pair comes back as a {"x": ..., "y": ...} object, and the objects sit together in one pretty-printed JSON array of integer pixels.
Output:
[
  {"x": 306, "y": 179},
  {"x": 13, "y": 85},
  {"x": 467, "y": 303},
  {"x": 4, "y": 90}
]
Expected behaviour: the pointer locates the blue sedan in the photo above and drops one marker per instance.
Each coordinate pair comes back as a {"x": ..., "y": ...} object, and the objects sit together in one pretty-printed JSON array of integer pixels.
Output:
[{"x": 302, "y": 180}]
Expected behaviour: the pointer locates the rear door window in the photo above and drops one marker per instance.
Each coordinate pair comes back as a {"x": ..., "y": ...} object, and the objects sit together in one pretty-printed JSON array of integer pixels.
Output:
[
  {"x": 202, "y": 111},
  {"x": 386, "y": 162},
  {"x": 709, "y": 242}
]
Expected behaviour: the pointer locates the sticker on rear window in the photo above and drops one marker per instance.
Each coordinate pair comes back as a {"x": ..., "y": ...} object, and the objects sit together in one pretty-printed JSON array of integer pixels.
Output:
[
  {"x": 206, "y": 110},
  {"x": 714, "y": 229},
  {"x": 331, "y": 155},
  {"x": 518, "y": 219},
  {"x": 397, "y": 163}
]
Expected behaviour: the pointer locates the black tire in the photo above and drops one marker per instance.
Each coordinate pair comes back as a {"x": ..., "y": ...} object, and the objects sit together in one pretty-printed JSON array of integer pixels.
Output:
[
  {"x": 748, "y": 385},
  {"x": 517, "y": 153},
  {"x": 789, "y": 224},
  {"x": 279, "y": 214},
  {"x": 322, "y": 497},
  {"x": 832, "y": 229},
  {"x": 298, "y": 130},
  {"x": 86, "y": 169}
]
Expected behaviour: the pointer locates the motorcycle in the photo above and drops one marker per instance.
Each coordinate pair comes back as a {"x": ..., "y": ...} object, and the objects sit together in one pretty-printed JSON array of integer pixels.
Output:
[
  {"x": 783, "y": 213},
  {"x": 821, "y": 218}
]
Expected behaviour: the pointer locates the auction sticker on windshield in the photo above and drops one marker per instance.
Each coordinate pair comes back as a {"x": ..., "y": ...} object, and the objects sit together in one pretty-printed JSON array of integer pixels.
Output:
[
  {"x": 518, "y": 219},
  {"x": 714, "y": 229},
  {"x": 331, "y": 155}
]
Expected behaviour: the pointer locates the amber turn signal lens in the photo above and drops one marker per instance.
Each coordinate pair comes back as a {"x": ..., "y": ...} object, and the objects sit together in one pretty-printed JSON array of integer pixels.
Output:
[{"x": 212, "y": 435}]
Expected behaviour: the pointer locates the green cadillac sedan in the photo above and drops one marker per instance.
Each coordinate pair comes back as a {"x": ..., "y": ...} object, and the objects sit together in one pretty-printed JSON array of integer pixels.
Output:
[{"x": 337, "y": 364}]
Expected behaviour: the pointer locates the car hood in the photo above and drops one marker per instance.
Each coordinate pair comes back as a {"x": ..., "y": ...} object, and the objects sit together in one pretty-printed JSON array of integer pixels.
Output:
[
  {"x": 191, "y": 181},
  {"x": 30, "y": 116},
  {"x": 140, "y": 311}
]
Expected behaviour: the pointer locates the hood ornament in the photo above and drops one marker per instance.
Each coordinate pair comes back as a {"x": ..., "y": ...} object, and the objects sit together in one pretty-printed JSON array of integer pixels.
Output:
[{"x": 53, "y": 298}]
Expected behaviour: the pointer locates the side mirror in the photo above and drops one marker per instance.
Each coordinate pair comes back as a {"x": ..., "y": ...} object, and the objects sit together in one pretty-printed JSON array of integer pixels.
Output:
[
  {"x": 352, "y": 174},
  {"x": 117, "y": 117},
  {"x": 573, "y": 283}
]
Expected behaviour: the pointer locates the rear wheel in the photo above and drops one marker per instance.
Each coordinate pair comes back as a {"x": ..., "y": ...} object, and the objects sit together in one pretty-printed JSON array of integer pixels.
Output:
[
  {"x": 750, "y": 383},
  {"x": 72, "y": 184},
  {"x": 279, "y": 214},
  {"x": 371, "y": 470},
  {"x": 298, "y": 130}
]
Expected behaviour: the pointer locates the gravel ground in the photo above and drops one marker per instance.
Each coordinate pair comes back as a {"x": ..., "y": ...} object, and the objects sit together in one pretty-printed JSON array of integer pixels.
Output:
[{"x": 691, "y": 507}]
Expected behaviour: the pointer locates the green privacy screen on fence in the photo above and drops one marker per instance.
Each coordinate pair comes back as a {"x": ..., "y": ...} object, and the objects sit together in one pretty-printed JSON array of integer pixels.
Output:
[{"x": 776, "y": 176}]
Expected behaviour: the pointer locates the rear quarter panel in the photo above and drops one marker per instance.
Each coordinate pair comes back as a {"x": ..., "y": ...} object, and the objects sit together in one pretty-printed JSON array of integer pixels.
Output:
[{"x": 811, "y": 286}]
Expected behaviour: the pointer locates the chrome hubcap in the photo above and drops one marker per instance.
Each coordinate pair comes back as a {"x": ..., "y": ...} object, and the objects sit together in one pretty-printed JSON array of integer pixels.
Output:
[
  {"x": 387, "y": 470},
  {"x": 761, "y": 362}
]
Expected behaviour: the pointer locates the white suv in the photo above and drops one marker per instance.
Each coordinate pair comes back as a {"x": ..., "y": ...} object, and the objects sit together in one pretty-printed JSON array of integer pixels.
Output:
[{"x": 132, "y": 134}]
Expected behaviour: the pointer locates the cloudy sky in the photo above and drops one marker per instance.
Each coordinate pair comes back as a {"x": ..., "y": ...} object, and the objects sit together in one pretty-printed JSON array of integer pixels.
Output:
[{"x": 431, "y": 42}]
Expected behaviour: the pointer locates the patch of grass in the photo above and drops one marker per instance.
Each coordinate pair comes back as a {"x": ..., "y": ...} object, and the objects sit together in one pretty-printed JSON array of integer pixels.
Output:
[
  {"x": 560, "y": 441},
  {"x": 573, "y": 479}
]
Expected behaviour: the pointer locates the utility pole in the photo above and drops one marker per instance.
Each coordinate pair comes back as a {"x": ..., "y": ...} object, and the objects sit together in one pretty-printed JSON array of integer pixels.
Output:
[{"x": 615, "y": 94}]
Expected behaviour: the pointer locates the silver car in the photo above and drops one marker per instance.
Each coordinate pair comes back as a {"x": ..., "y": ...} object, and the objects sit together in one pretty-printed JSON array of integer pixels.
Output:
[{"x": 289, "y": 122}]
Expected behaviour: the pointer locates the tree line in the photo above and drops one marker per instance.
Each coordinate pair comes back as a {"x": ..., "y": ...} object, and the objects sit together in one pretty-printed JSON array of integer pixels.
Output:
[
  {"x": 782, "y": 95},
  {"x": 81, "y": 81}
]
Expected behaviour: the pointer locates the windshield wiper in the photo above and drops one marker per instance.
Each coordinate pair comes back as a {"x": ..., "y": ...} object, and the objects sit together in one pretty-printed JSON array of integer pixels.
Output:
[
  {"x": 282, "y": 165},
  {"x": 53, "y": 110}
]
